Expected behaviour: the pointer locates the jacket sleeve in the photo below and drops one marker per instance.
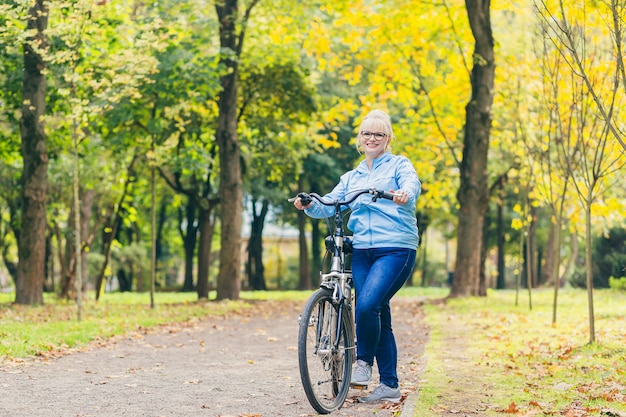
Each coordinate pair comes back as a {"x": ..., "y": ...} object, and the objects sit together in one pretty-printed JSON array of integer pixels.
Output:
[
  {"x": 320, "y": 211},
  {"x": 408, "y": 180}
]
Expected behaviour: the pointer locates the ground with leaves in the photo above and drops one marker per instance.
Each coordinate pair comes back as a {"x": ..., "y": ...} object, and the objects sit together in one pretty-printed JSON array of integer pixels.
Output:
[{"x": 242, "y": 364}]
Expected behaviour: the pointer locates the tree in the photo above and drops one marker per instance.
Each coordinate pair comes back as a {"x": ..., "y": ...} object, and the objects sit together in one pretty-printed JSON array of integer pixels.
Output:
[
  {"x": 232, "y": 33},
  {"x": 32, "y": 245},
  {"x": 473, "y": 194},
  {"x": 593, "y": 82}
]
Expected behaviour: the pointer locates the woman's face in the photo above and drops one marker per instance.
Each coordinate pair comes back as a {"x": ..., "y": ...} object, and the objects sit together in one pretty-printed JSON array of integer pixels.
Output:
[{"x": 374, "y": 140}]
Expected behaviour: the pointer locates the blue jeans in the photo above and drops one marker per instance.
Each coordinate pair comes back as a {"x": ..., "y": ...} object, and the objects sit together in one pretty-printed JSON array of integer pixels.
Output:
[{"x": 378, "y": 274}]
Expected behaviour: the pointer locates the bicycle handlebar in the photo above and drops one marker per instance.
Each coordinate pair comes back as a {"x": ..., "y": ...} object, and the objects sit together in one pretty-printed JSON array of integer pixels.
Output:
[{"x": 307, "y": 198}]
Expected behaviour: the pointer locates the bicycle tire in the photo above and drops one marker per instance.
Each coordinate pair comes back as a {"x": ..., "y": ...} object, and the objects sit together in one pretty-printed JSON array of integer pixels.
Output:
[{"x": 325, "y": 372}]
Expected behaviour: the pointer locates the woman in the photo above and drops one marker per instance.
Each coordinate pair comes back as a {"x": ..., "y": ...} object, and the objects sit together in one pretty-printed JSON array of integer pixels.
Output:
[{"x": 385, "y": 241}]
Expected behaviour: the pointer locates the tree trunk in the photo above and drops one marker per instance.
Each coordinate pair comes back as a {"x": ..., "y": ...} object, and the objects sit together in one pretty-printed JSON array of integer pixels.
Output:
[
  {"x": 190, "y": 237},
  {"x": 206, "y": 228},
  {"x": 501, "y": 280},
  {"x": 32, "y": 246},
  {"x": 316, "y": 253},
  {"x": 589, "y": 268},
  {"x": 473, "y": 194},
  {"x": 532, "y": 247},
  {"x": 305, "y": 272},
  {"x": 14, "y": 225},
  {"x": 230, "y": 192},
  {"x": 67, "y": 258},
  {"x": 254, "y": 267},
  {"x": 48, "y": 285},
  {"x": 555, "y": 248}
]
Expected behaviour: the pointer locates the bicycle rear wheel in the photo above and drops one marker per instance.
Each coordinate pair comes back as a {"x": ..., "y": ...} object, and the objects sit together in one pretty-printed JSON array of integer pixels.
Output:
[{"x": 325, "y": 364}]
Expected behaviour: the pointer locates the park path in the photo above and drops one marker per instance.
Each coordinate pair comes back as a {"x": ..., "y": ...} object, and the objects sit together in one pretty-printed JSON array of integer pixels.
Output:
[{"x": 240, "y": 365}]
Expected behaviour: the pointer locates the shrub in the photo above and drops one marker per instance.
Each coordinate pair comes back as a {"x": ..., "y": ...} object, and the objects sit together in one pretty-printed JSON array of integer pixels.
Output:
[{"x": 617, "y": 283}]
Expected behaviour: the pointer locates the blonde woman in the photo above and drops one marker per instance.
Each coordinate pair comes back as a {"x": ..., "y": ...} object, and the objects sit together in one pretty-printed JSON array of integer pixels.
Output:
[{"x": 385, "y": 241}]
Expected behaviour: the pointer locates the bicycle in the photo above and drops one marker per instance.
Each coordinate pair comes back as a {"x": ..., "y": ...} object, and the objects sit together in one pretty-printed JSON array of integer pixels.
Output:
[{"x": 326, "y": 337}]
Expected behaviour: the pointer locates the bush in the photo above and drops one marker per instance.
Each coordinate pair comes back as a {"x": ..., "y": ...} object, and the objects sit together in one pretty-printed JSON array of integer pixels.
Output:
[{"x": 617, "y": 283}]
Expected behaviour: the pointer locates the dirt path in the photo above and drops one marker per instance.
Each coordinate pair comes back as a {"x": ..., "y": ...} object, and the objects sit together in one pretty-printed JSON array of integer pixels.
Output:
[{"x": 239, "y": 365}]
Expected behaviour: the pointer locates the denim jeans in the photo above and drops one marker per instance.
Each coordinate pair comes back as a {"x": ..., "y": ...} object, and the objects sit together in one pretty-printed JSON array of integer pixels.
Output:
[{"x": 378, "y": 274}]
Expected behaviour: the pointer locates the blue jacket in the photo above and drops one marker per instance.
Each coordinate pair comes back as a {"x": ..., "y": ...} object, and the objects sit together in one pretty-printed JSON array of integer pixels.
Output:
[{"x": 382, "y": 223}]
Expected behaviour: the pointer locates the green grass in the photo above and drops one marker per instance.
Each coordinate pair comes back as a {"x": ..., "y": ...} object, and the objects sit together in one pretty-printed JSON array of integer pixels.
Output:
[
  {"x": 531, "y": 365},
  {"x": 43, "y": 330},
  {"x": 52, "y": 327}
]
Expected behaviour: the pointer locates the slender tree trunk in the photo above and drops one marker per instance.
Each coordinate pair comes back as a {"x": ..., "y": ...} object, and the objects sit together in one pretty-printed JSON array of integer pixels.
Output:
[
  {"x": 532, "y": 248},
  {"x": 162, "y": 219},
  {"x": 556, "y": 262},
  {"x": 529, "y": 267},
  {"x": 305, "y": 272},
  {"x": 473, "y": 194},
  {"x": 32, "y": 245},
  {"x": 13, "y": 222},
  {"x": 206, "y": 228},
  {"x": 588, "y": 269},
  {"x": 48, "y": 285},
  {"x": 424, "y": 259},
  {"x": 190, "y": 237},
  {"x": 316, "y": 253},
  {"x": 501, "y": 280},
  {"x": 314, "y": 262},
  {"x": 67, "y": 259},
  {"x": 254, "y": 267},
  {"x": 153, "y": 234}
]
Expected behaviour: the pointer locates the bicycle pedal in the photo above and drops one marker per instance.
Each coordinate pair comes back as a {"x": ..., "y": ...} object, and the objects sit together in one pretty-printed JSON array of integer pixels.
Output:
[{"x": 358, "y": 386}]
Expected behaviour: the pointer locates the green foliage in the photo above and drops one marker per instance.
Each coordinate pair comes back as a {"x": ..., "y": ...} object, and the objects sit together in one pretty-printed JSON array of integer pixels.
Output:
[{"x": 617, "y": 283}]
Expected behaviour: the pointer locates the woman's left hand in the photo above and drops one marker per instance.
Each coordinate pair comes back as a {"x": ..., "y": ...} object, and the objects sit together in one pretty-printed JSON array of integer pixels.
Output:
[{"x": 400, "y": 197}]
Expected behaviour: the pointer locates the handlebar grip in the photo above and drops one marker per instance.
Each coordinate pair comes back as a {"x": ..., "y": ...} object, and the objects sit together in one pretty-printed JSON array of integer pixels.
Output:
[
  {"x": 387, "y": 195},
  {"x": 305, "y": 199}
]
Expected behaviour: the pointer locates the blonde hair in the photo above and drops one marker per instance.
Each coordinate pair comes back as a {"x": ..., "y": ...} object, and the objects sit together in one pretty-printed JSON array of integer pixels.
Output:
[{"x": 376, "y": 120}]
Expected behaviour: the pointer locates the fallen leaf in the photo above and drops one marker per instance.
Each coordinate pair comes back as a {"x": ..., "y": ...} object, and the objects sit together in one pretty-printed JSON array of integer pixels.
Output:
[{"x": 512, "y": 409}]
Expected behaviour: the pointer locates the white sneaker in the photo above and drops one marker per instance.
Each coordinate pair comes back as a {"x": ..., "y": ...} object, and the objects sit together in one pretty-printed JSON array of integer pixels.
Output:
[
  {"x": 383, "y": 393},
  {"x": 361, "y": 373}
]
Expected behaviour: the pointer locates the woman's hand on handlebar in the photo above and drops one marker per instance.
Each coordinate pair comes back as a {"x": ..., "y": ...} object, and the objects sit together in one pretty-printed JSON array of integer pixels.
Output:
[
  {"x": 399, "y": 197},
  {"x": 298, "y": 204}
]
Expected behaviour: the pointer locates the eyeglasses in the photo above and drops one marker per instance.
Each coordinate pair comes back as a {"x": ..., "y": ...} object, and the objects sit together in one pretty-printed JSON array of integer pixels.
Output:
[{"x": 378, "y": 136}]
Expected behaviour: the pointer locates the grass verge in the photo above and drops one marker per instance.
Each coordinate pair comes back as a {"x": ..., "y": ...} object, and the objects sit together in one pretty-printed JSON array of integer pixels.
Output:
[
  {"x": 521, "y": 362},
  {"x": 52, "y": 328}
]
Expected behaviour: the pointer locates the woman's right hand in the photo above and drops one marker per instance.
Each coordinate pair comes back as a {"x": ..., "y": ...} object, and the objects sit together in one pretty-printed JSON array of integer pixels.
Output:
[{"x": 298, "y": 204}]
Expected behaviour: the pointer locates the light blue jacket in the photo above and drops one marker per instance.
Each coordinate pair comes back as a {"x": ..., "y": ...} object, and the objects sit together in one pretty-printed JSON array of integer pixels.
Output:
[{"x": 382, "y": 223}]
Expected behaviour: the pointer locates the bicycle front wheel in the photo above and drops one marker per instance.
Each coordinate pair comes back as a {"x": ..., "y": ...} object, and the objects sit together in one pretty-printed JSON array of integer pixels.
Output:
[{"x": 325, "y": 351}]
